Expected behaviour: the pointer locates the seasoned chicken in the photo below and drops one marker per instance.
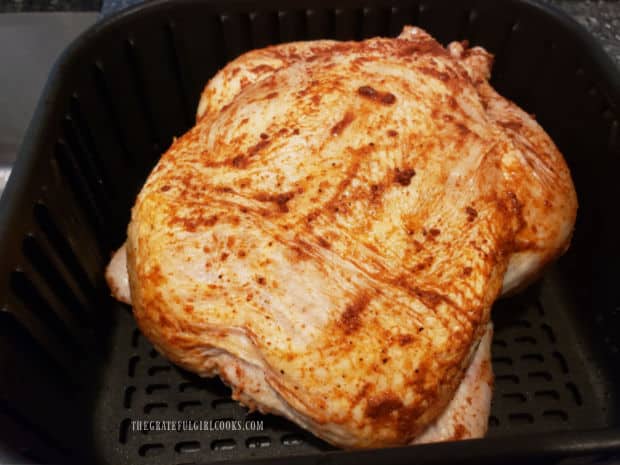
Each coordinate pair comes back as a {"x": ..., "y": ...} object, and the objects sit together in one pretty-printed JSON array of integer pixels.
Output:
[
  {"x": 117, "y": 277},
  {"x": 467, "y": 414},
  {"x": 536, "y": 173},
  {"x": 330, "y": 236}
]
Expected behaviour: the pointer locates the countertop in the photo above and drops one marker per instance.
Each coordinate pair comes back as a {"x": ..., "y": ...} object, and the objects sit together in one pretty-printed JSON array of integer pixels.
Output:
[{"x": 601, "y": 18}]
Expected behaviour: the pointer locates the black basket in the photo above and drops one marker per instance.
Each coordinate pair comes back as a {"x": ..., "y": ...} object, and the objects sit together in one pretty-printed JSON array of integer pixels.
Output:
[{"x": 76, "y": 371}]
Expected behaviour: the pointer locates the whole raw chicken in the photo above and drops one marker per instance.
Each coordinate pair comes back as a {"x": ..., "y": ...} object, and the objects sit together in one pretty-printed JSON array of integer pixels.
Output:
[{"x": 329, "y": 238}]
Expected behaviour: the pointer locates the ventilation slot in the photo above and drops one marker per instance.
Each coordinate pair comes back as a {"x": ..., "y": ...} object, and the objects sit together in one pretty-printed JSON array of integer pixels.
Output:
[
  {"x": 265, "y": 29},
  {"x": 123, "y": 430},
  {"x": 468, "y": 21},
  {"x": 575, "y": 393},
  {"x": 235, "y": 28},
  {"x": 187, "y": 447},
  {"x": 159, "y": 369},
  {"x": 258, "y": 442},
  {"x": 30, "y": 296},
  {"x": 502, "y": 362},
  {"x": 84, "y": 192},
  {"x": 444, "y": 28},
  {"x": 401, "y": 16},
  {"x": 43, "y": 265},
  {"x": 532, "y": 359},
  {"x": 319, "y": 24},
  {"x": 515, "y": 397},
  {"x": 547, "y": 395},
  {"x": 58, "y": 240},
  {"x": 540, "y": 376},
  {"x": 347, "y": 24},
  {"x": 223, "y": 444},
  {"x": 157, "y": 388},
  {"x": 507, "y": 379},
  {"x": 213, "y": 387},
  {"x": 520, "y": 418},
  {"x": 555, "y": 416},
  {"x": 548, "y": 333},
  {"x": 111, "y": 111},
  {"x": 292, "y": 26},
  {"x": 129, "y": 393},
  {"x": 80, "y": 139},
  {"x": 375, "y": 22},
  {"x": 177, "y": 71},
  {"x": 136, "y": 335},
  {"x": 82, "y": 150},
  {"x": 151, "y": 450},
  {"x": 292, "y": 440},
  {"x": 132, "y": 366},
  {"x": 560, "y": 361},
  {"x": 139, "y": 86},
  {"x": 190, "y": 387},
  {"x": 503, "y": 54}
]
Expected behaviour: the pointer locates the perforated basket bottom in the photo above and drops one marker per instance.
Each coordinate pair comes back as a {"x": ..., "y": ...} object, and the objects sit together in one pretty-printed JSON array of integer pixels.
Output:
[{"x": 541, "y": 384}]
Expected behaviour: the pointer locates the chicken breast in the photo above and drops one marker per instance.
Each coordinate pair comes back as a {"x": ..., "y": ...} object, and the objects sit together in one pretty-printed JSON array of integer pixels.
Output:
[{"x": 331, "y": 234}]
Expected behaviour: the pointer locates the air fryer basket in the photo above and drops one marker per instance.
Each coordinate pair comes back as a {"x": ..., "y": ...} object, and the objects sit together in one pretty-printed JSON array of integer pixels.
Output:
[{"x": 76, "y": 371}]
